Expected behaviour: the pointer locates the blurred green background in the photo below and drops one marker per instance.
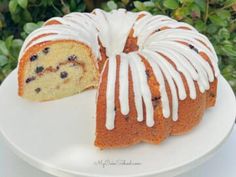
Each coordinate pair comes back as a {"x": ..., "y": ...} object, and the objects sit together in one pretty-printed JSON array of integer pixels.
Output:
[{"x": 215, "y": 18}]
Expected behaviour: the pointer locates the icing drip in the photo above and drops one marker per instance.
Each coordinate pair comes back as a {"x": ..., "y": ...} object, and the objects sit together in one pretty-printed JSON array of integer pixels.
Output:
[
  {"x": 141, "y": 89},
  {"x": 145, "y": 90},
  {"x": 184, "y": 50},
  {"x": 137, "y": 91},
  {"x": 160, "y": 79},
  {"x": 110, "y": 93},
  {"x": 124, "y": 85},
  {"x": 155, "y": 57},
  {"x": 188, "y": 37},
  {"x": 173, "y": 50},
  {"x": 182, "y": 67}
]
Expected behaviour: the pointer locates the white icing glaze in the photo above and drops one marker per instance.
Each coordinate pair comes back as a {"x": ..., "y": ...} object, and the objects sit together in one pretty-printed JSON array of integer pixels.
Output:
[
  {"x": 145, "y": 90},
  {"x": 137, "y": 91},
  {"x": 124, "y": 85},
  {"x": 189, "y": 37},
  {"x": 109, "y": 23},
  {"x": 157, "y": 58},
  {"x": 170, "y": 47},
  {"x": 180, "y": 66},
  {"x": 110, "y": 94}
]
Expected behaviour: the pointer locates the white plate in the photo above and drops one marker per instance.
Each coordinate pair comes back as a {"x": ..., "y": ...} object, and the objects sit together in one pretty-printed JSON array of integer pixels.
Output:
[{"x": 57, "y": 137}]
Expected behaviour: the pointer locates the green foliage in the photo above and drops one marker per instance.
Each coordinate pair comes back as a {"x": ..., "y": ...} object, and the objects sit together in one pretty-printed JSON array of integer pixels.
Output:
[
  {"x": 171, "y": 4},
  {"x": 9, "y": 50},
  {"x": 214, "y": 18}
]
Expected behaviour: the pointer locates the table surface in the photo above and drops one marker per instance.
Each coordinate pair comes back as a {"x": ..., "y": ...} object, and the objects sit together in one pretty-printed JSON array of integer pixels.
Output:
[{"x": 221, "y": 165}]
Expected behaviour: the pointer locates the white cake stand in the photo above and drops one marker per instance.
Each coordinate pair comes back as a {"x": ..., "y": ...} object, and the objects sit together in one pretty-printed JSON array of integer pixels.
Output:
[{"x": 57, "y": 137}]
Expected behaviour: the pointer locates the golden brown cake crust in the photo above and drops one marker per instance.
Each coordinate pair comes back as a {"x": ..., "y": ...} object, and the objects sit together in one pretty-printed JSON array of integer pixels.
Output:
[{"x": 129, "y": 131}]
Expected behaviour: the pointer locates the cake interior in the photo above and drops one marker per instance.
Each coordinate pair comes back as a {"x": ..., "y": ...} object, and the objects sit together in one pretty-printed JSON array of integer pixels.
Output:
[{"x": 58, "y": 69}]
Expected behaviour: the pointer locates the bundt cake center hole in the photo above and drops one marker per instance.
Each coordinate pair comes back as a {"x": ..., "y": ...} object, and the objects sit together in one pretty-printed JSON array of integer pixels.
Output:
[{"x": 131, "y": 44}]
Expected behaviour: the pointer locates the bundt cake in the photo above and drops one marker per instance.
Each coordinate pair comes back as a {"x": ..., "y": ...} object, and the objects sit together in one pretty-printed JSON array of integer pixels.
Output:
[{"x": 154, "y": 76}]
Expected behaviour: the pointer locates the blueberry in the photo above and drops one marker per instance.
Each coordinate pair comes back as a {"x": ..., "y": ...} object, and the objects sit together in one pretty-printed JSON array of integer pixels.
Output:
[
  {"x": 39, "y": 69},
  {"x": 37, "y": 90},
  {"x": 156, "y": 98},
  {"x": 33, "y": 57},
  {"x": 72, "y": 58},
  {"x": 155, "y": 101},
  {"x": 28, "y": 80},
  {"x": 191, "y": 46},
  {"x": 46, "y": 50},
  {"x": 64, "y": 74}
]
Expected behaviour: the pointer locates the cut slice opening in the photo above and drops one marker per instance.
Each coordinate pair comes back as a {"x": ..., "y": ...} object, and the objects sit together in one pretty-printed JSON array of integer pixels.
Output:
[{"x": 56, "y": 69}]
